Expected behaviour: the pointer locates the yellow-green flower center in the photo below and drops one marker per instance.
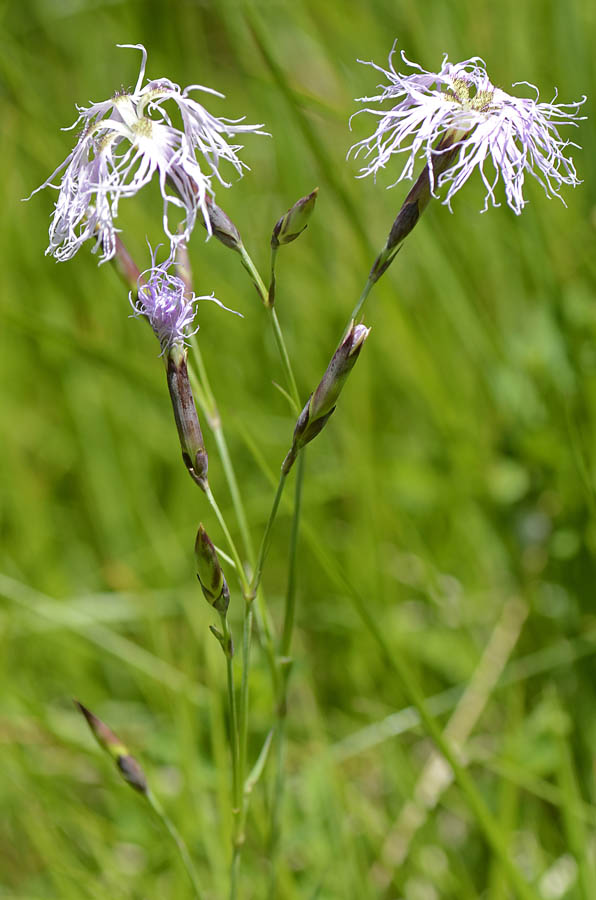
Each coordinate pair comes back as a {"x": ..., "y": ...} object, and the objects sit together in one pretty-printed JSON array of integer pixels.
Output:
[
  {"x": 468, "y": 96},
  {"x": 143, "y": 127}
]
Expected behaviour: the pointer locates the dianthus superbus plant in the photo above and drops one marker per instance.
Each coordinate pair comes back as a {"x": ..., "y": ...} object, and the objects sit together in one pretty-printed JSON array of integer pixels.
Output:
[{"x": 450, "y": 123}]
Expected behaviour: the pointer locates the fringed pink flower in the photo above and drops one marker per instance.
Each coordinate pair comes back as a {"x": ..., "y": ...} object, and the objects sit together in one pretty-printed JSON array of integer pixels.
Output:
[{"x": 460, "y": 106}]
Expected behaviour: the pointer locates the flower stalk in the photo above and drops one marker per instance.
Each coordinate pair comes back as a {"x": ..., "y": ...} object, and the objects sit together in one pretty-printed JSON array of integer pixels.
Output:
[{"x": 133, "y": 775}]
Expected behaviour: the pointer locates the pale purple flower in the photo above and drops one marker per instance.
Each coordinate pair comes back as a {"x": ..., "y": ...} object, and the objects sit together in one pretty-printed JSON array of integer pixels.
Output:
[
  {"x": 165, "y": 300},
  {"x": 123, "y": 143},
  {"x": 460, "y": 107}
]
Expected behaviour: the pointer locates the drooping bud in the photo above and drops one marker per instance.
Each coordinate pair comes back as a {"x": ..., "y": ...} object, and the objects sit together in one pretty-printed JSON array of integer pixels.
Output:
[
  {"x": 222, "y": 226},
  {"x": 127, "y": 765},
  {"x": 209, "y": 573},
  {"x": 321, "y": 404},
  {"x": 292, "y": 224},
  {"x": 194, "y": 453}
]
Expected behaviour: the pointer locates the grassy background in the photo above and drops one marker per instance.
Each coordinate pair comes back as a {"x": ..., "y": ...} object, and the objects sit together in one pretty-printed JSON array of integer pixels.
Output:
[{"x": 453, "y": 492}]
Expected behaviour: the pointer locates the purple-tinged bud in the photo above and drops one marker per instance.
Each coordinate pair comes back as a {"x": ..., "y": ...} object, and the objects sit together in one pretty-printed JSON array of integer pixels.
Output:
[
  {"x": 127, "y": 765},
  {"x": 222, "y": 226},
  {"x": 325, "y": 397},
  {"x": 292, "y": 224},
  {"x": 185, "y": 413},
  {"x": 321, "y": 404},
  {"x": 132, "y": 773},
  {"x": 211, "y": 578}
]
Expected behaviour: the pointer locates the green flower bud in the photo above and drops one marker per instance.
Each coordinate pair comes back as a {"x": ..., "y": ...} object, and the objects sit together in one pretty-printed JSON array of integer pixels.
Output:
[
  {"x": 292, "y": 224},
  {"x": 209, "y": 573}
]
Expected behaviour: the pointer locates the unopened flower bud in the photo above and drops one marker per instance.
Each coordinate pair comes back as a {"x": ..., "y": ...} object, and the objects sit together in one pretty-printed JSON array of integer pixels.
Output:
[
  {"x": 222, "y": 226},
  {"x": 325, "y": 397},
  {"x": 321, "y": 404},
  {"x": 132, "y": 773},
  {"x": 293, "y": 223},
  {"x": 209, "y": 573},
  {"x": 185, "y": 414},
  {"x": 127, "y": 765}
]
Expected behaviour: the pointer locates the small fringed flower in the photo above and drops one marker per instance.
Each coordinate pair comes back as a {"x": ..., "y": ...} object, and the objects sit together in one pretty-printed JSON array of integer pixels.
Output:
[
  {"x": 459, "y": 109},
  {"x": 123, "y": 143},
  {"x": 163, "y": 298}
]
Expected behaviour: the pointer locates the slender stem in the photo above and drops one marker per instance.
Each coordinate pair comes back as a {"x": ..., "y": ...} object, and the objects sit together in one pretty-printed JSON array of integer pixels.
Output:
[
  {"x": 271, "y": 293},
  {"x": 235, "y": 747},
  {"x": 279, "y": 338},
  {"x": 237, "y": 503},
  {"x": 230, "y": 541},
  {"x": 234, "y": 873},
  {"x": 241, "y": 802},
  {"x": 285, "y": 663},
  {"x": 208, "y": 401},
  {"x": 266, "y": 540},
  {"x": 363, "y": 297},
  {"x": 229, "y": 652},
  {"x": 206, "y": 398},
  {"x": 207, "y": 393},
  {"x": 178, "y": 840},
  {"x": 252, "y": 589},
  {"x": 254, "y": 274},
  {"x": 290, "y": 609},
  {"x": 243, "y": 722},
  {"x": 249, "y": 595},
  {"x": 410, "y": 211},
  {"x": 285, "y": 358}
]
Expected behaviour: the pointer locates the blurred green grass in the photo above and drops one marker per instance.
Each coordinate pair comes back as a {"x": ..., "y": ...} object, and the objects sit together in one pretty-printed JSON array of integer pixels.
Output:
[{"x": 458, "y": 474}]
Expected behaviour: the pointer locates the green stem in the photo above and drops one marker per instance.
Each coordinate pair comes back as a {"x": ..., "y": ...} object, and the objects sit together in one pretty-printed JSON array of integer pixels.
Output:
[
  {"x": 234, "y": 873},
  {"x": 277, "y": 332},
  {"x": 229, "y": 539},
  {"x": 207, "y": 399},
  {"x": 363, "y": 297},
  {"x": 229, "y": 653},
  {"x": 254, "y": 274},
  {"x": 265, "y": 542},
  {"x": 285, "y": 359},
  {"x": 249, "y": 595},
  {"x": 243, "y": 720},
  {"x": 178, "y": 840},
  {"x": 235, "y": 747},
  {"x": 285, "y": 664},
  {"x": 237, "y": 503},
  {"x": 252, "y": 590},
  {"x": 289, "y": 614},
  {"x": 202, "y": 389}
]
